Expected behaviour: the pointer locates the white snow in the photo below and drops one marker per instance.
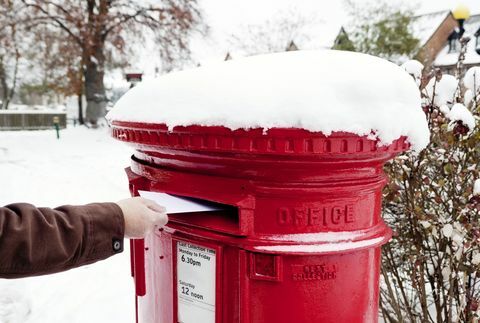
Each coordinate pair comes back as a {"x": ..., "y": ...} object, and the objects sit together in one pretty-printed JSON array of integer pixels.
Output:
[
  {"x": 444, "y": 109},
  {"x": 93, "y": 60},
  {"x": 446, "y": 272},
  {"x": 414, "y": 68},
  {"x": 450, "y": 58},
  {"x": 425, "y": 224},
  {"x": 83, "y": 166},
  {"x": 476, "y": 259},
  {"x": 345, "y": 246},
  {"x": 447, "y": 230},
  {"x": 336, "y": 236},
  {"x": 457, "y": 237},
  {"x": 460, "y": 113},
  {"x": 468, "y": 96},
  {"x": 476, "y": 187},
  {"x": 472, "y": 79},
  {"x": 442, "y": 91},
  {"x": 315, "y": 90},
  {"x": 14, "y": 305}
]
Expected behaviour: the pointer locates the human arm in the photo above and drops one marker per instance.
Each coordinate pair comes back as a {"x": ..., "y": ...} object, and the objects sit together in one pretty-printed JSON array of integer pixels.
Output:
[{"x": 36, "y": 241}]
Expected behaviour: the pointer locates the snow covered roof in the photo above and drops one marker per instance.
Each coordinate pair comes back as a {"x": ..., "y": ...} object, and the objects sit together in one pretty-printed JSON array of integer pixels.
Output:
[
  {"x": 424, "y": 26},
  {"x": 322, "y": 90},
  {"x": 444, "y": 58}
]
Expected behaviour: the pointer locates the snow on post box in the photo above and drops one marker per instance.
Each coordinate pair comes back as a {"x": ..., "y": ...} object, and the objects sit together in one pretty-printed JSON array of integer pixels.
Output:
[{"x": 290, "y": 146}]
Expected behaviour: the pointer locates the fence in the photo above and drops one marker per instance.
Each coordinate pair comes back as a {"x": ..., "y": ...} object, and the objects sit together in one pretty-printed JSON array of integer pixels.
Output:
[{"x": 30, "y": 120}]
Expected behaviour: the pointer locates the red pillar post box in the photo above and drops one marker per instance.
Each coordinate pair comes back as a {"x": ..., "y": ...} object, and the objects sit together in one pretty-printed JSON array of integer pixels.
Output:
[{"x": 298, "y": 241}]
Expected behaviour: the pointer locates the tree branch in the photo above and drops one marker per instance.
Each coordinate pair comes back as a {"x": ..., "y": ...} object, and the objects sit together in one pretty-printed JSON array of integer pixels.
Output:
[
  {"x": 56, "y": 20},
  {"x": 125, "y": 19}
]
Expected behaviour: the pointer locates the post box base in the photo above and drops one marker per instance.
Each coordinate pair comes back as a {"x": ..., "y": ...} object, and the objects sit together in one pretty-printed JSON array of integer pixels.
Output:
[{"x": 224, "y": 283}]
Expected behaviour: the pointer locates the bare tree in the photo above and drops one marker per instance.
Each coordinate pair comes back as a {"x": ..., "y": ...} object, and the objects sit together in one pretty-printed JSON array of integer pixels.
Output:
[
  {"x": 275, "y": 34},
  {"x": 100, "y": 27},
  {"x": 59, "y": 68},
  {"x": 10, "y": 52}
]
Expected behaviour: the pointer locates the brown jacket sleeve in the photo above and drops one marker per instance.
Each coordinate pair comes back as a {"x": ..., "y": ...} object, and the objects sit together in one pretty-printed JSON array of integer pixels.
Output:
[{"x": 36, "y": 241}]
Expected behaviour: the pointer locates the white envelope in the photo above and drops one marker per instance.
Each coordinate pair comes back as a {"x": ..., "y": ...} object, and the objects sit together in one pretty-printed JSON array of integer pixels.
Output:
[{"x": 177, "y": 204}]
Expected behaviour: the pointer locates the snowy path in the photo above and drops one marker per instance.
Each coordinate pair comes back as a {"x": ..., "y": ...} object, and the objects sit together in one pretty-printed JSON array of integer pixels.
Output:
[{"x": 83, "y": 166}]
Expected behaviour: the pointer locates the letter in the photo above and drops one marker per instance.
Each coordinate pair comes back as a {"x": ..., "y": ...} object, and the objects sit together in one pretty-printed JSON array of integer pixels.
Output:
[
  {"x": 314, "y": 216},
  {"x": 325, "y": 215},
  {"x": 320, "y": 268},
  {"x": 299, "y": 216},
  {"x": 349, "y": 216},
  {"x": 283, "y": 216},
  {"x": 337, "y": 214}
]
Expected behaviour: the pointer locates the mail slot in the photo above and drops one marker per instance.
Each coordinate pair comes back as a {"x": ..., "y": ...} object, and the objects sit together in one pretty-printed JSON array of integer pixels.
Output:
[{"x": 298, "y": 239}]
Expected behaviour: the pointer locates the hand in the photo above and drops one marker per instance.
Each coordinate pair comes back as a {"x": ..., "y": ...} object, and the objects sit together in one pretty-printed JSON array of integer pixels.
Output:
[{"x": 141, "y": 216}]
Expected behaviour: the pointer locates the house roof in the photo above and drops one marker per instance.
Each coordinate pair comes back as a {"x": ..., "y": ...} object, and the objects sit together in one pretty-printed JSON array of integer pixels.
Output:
[
  {"x": 424, "y": 26},
  {"x": 444, "y": 58}
]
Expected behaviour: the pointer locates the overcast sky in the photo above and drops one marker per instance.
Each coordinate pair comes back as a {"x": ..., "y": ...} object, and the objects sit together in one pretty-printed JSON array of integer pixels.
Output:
[
  {"x": 228, "y": 16},
  {"x": 231, "y": 12}
]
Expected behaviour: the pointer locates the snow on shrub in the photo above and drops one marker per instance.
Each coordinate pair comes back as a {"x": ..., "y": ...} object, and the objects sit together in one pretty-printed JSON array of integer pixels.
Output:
[
  {"x": 468, "y": 97},
  {"x": 459, "y": 113},
  {"x": 472, "y": 78},
  {"x": 431, "y": 268},
  {"x": 442, "y": 91},
  {"x": 476, "y": 187},
  {"x": 447, "y": 230},
  {"x": 415, "y": 69}
]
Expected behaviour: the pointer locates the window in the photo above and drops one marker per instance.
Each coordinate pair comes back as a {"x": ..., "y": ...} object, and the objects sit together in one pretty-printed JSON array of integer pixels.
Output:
[
  {"x": 454, "y": 42},
  {"x": 477, "y": 41}
]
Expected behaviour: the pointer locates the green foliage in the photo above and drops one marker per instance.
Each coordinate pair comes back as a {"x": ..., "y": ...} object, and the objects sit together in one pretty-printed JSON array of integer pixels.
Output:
[{"x": 382, "y": 30}]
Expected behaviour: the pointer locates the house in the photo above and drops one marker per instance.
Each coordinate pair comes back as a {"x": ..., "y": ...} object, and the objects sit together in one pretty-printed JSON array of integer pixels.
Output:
[
  {"x": 439, "y": 34},
  {"x": 446, "y": 59},
  {"x": 432, "y": 30},
  {"x": 291, "y": 47}
]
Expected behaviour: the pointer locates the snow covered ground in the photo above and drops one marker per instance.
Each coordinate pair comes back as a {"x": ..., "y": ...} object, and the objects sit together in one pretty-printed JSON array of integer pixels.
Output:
[{"x": 83, "y": 166}]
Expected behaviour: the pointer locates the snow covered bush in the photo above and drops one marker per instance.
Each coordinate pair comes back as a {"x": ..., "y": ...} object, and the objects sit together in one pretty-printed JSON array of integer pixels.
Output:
[{"x": 431, "y": 268}]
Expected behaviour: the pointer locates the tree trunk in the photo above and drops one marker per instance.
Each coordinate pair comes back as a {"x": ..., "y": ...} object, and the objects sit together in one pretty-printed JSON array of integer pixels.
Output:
[
  {"x": 7, "y": 93},
  {"x": 94, "y": 87},
  {"x": 3, "y": 86},
  {"x": 80, "y": 108}
]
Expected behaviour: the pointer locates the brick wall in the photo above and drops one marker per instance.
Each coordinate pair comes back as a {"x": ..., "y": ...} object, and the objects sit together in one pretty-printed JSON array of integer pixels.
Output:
[{"x": 439, "y": 39}]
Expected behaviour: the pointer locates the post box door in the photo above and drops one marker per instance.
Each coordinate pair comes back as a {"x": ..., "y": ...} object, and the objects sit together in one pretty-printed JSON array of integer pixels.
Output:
[{"x": 196, "y": 281}]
